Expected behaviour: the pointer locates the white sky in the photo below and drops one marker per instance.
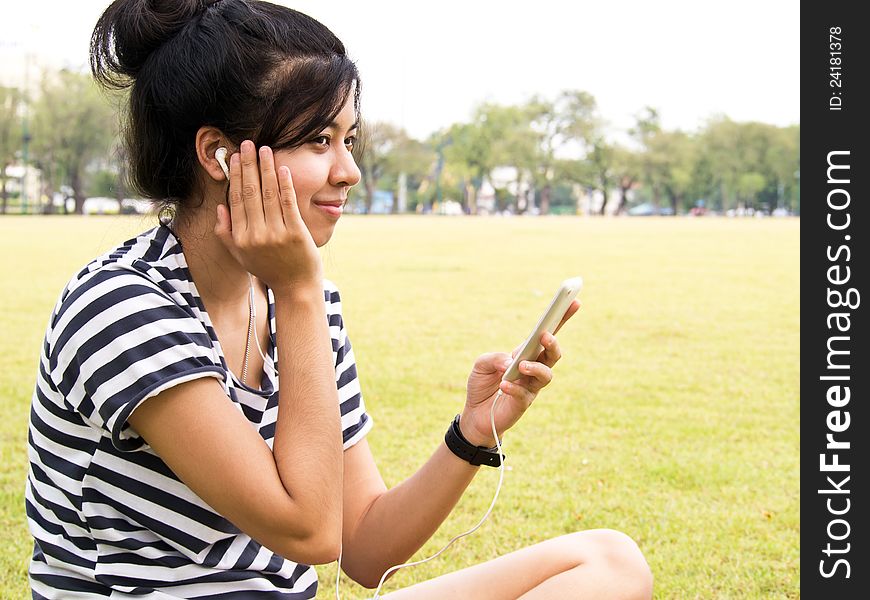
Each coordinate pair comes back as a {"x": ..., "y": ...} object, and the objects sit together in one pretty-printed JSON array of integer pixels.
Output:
[{"x": 424, "y": 65}]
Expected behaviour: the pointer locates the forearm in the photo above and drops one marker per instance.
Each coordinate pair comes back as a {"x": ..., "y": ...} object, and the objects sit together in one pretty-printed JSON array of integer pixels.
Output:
[
  {"x": 308, "y": 443},
  {"x": 403, "y": 518}
]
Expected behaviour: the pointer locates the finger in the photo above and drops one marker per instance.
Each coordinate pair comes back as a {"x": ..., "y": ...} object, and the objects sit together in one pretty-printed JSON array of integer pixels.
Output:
[
  {"x": 540, "y": 375},
  {"x": 270, "y": 191},
  {"x": 289, "y": 206},
  {"x": 573, "y": 308},
  {"x": 238, "y": 218},
  {"x": 251, "y": 187},
  {"x": 552, "y": 351},
  {"x": 517, "y": 392},
  {"x": 501, "y": 361},
  {"x": 223, "y": 229},
  {"x": 492, "y": 362}
]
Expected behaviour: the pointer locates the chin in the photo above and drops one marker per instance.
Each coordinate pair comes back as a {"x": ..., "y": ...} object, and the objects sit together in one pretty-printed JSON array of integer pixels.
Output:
[
  {"x": 321, "y": 238},
  {"x": 321, "y": 233}
]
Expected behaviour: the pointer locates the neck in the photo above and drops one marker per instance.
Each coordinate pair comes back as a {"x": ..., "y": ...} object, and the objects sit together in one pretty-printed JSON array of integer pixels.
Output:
[{"x": 220, "y": 279}]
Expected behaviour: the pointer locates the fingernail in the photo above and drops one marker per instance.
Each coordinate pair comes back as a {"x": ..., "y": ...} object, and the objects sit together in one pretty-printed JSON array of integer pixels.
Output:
[
  {"x": 247, "y": 145},
  {"x": 234, "y": 159},
  {"x": 508, "y": 363},
  {"x": 264, "y": 151}
]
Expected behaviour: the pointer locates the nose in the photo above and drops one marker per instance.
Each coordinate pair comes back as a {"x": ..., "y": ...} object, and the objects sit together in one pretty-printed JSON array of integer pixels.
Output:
[{"x": 344, "y": 172}]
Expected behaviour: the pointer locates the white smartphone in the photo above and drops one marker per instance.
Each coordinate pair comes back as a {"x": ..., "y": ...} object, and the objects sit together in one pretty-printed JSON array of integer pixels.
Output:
[{"x": 532, "y": 347}]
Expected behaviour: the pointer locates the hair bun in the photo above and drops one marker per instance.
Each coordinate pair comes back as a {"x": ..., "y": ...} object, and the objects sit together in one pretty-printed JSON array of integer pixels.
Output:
[{"x": 130, "y": 30}]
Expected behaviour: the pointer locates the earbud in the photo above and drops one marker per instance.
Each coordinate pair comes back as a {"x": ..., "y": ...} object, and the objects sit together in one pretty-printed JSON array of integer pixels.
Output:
[{"x": 220, "y": 155}]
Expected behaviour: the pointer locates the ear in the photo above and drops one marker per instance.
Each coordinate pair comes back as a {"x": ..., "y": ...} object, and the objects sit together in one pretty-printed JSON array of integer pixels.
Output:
[{"x": 208, "y": 140}]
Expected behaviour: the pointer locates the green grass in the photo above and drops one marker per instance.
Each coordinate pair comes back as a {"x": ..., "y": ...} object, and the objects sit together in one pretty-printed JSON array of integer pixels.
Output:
[{"x": 674, "y": 414}]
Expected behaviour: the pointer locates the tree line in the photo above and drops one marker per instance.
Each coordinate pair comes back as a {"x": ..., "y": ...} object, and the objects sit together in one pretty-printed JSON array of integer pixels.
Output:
[{"x": 545, "y": 155}]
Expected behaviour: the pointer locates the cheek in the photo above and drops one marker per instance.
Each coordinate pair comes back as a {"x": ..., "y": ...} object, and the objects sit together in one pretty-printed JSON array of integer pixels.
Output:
[{"x": 309, "y": 176}]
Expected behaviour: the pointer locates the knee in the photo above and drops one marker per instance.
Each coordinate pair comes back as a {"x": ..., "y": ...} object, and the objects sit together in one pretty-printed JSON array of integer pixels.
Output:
[{"x": 620, "y": 555}]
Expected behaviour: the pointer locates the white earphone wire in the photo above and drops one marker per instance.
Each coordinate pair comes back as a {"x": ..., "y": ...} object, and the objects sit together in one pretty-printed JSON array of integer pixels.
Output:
[
  {"x": 498, "y": 444},
  {"x": 267, "y": 362}
]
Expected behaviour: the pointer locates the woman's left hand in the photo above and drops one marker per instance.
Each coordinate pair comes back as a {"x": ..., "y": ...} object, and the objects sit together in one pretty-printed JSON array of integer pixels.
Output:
[{"x": 517, "y": 395}]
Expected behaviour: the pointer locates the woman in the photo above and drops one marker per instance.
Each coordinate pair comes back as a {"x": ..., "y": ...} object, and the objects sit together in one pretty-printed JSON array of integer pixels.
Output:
[{"x": 164, "y": 462}]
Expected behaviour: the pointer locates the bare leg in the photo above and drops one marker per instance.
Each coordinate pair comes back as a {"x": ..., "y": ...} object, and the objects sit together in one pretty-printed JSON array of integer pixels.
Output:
[{"x": 600, "y": 563}]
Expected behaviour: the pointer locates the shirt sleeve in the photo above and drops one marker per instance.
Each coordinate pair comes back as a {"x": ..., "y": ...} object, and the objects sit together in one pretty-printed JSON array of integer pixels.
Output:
[
  {"x": 355, "y": 421},
  {"x": 117, "y": 339}
]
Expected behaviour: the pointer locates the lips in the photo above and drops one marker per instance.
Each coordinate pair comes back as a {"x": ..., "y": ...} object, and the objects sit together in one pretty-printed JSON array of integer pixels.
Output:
[{"x": 333, "y": 208}]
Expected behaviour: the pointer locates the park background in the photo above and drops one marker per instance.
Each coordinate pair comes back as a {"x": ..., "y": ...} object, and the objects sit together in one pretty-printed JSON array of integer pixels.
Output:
[{"x": 674, "y": 414}]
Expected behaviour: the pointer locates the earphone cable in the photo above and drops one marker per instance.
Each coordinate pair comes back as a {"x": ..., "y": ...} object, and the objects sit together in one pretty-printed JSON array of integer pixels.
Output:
[
  {"x": 267, "y": 362},
  {"x": 461, "y": 535}
]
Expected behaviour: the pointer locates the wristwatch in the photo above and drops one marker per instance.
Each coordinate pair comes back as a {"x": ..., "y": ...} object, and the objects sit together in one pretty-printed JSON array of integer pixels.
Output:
[{"x": 476, "y": 455}]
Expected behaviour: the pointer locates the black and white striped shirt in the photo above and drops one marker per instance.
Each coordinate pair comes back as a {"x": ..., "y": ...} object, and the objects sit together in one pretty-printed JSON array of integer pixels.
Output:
[{"x": 108, "y": 517}]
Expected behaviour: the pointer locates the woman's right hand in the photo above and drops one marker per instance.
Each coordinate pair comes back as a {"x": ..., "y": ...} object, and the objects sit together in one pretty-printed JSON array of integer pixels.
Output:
[{"x": 263, "y": 228}]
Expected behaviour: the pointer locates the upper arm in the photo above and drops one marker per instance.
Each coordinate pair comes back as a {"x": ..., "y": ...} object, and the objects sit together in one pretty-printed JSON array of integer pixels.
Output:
[
  {"x": 117, "y": 339},
  {"x": 363, "y": 485},
  {"x": 210, "y": 446}
]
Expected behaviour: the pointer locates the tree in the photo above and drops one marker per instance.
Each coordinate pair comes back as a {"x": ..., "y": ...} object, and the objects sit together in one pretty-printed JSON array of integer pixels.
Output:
[
  {"x": 784, "y": 159},
  {"x": 600, "y": 158},
  {"x": 497, "y": 136},
  {"x": 748, "y": 187},
  {"x": 513, "y": 143},
  {"x": 676, "y": 159},
  {"x": 408, "y": 163},
  {"x": 773, "y": 153},
  {"x": 668, "y": 159},
  {"x": 647, "y": 127},
  {"x": 10, "y": 134},
  {"x": 570, "y": 119},
  {"x": 467, "y": 150},
  {"x": 730, "y": 152},
  {"x": 627, "y": 170},
  {"x": 73, "y": 124},
  {"x": 578, "y": 173},
  {"x": 378, "y": 139},
  {"x": 387, "y": 153}
]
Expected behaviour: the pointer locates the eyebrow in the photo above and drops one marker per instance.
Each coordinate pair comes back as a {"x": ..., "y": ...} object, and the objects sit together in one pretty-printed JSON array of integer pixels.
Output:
[{"x": 335, "y": 125}]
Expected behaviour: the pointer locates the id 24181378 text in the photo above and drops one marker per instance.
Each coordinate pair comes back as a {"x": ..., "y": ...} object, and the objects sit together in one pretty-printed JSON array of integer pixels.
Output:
[{"x": 835, "y": 68}]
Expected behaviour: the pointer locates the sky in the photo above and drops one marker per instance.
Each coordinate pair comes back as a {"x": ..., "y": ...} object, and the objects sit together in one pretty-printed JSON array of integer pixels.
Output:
[{"x": 425, "y": 65}]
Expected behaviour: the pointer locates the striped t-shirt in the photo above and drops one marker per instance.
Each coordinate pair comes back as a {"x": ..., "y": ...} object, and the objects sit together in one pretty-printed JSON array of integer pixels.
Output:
[{"x": 108, "y": 517}]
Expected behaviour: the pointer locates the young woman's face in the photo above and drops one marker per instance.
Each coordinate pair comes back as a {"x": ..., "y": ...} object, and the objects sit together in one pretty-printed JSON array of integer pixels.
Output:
[{"x": 323, "y": 171}]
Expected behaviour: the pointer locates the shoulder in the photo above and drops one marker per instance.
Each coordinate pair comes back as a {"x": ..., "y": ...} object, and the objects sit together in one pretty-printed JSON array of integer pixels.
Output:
[
  {"x": 142, "y": 259},
  {"x": 103, "y": 293},
  {"x": 130, "y": 289},
  {"x": 142, "y": 265}
]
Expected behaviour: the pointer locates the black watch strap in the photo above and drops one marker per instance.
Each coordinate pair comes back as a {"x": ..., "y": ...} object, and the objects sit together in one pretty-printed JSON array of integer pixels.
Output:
[{"x": 476, "y": 455}]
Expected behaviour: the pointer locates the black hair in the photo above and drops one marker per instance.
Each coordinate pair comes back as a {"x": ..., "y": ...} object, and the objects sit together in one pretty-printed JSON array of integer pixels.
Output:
[{"x": 252, "y": 69}]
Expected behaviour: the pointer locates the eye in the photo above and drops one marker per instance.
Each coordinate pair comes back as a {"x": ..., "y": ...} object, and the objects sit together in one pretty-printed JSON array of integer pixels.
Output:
[
  {"x": 349, "y": 142},
  {"x": 321, "y": 140}
]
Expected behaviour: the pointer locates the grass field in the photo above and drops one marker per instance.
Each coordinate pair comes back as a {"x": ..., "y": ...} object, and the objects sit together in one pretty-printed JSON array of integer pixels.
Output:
[{"x": 674, "y": 414}]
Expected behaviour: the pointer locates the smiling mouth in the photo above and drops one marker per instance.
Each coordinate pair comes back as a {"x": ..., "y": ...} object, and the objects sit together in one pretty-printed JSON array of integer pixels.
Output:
[{"x": 333, "y": 209}]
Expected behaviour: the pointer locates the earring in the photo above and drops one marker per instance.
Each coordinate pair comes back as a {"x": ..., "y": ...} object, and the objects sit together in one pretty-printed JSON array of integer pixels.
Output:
[{"x": 166, "y": 214}]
